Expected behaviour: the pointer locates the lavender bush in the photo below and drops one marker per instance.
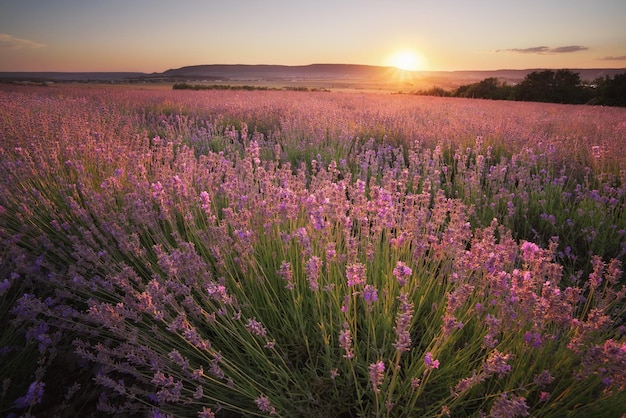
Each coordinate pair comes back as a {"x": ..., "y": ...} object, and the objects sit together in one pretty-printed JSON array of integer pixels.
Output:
[{"x": 301, "y": 254}]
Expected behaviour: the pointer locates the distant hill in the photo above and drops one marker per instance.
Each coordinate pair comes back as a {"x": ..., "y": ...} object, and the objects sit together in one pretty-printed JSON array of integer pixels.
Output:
[
  {"x": 349, "y": 71},
  {"x": 275, "y": 72},
  {"x": 332, "y": 75}
]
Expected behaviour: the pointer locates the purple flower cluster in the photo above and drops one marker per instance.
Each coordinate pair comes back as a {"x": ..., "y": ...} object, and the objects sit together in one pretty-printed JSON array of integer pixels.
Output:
[
  {"x": 369, "y": 294},
  {"x": 508, "y": 405},
  {"x": 430, "y": 362},
  {"x": 356, "y": 274},
  {"x": 345, "y": 342},
  {"x": 402, "y": 273},
  {"x": 255, "y": 327},
  {"x": 33, "y": 396},
  {"x": 403, "y": 324},
  {"x": 376, "y": 375},
  {"x": 497, "y": 364},
  {"x": 264, "y": 405},
  {"x": 313, "y": 266}
]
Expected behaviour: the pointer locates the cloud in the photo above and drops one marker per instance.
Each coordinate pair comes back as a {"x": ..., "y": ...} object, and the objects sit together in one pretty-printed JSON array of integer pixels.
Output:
[
  {"x": 11, "y": 42},
  {"x": 567, "y": 49},
  {"x": 546, "y": 50},
  {"x": 533, "y": 50},
  {"x": 611, "y": 58}
]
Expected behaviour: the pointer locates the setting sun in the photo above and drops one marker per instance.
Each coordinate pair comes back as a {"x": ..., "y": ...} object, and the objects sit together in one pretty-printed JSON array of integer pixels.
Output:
[{"x": 407, "y": 60}]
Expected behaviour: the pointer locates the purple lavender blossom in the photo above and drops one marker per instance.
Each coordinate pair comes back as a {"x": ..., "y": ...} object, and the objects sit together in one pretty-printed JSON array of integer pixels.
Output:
[
  {"x": 497, "y": 364},
  {"x": 376, "y": 374},
  {"x": 533, "y": 338},
  {"x": 430, "y": 363},
  {"x": 255, "y": 327},
  {"x": 402, "y": 272},
  {"x": 178, "y": 359},
  {"x": 313, "y": 266},
  {"x": 369, "y": 294},
  {"x": 508, "y": 405},
  {"x": 544, "y": 378},
  {"x": 206, "y": 413},
  {"x": 356, "y": 274},
  {"x": 4, "y": 286},
  {"x": 331, "y": 251},
  {"x": 529, "y": 250},
  {"x": 33, "y": 395},
  {"x": 264, "y": 405},
  {"x": 403, "y": 324},
  {"x": 467, "y": 383},
  {"x": 345, "y": 341},
  {"x": 286, "y": 274}
]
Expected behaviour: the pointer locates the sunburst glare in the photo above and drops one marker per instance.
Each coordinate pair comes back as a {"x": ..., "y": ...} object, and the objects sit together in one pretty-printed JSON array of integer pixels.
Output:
[{"x": 406, "y": 60}]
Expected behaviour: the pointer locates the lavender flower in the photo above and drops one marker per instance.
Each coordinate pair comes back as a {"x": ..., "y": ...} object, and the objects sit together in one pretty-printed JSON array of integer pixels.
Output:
[
  {"x": 533, "y": 338},
  {"x": 345, "y": 341},
  {"x": 286, "y": 274},
  {"x": 507, "y": 406},
  {"x": 356, "y": 274},
  {"x": 198, "y": 393},
  {"x": 255, "y": 327},
  {"x": 497, "y": 364},
  {"x": 205, "y": 200},
  {"x": 468, "y": 383},
  {"x": 415, "y": 383},
  {"x": 331, "y": 251},
  {"x": 369, "y": 294},
  {"x": 530, "y": 251},
  {"x": 402, "y": 272},
  {"x": 430, "y": 363},
  {"x": 264, "y": 405},
  {"x": 33, "y": 395},
  {"x": 4, "y": 286},
  {"x": 544, "y": 378},
  {"x": 313, "y": 266},
  {"x": 178, "y": 359},
  {"x": 403, "y": 323},
  {"x": 346, "y": 304},
  {"x": 376, "y": 374},
  {"x": 206, "y": 413}
]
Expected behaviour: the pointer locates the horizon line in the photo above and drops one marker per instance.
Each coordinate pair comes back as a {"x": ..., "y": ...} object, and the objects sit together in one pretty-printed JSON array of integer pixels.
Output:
[{"x": 309, "y": 65}]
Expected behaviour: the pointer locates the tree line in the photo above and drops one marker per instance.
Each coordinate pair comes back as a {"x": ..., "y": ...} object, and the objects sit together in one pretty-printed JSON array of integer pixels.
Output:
[
  {"x": 185, "y": 86},
  {"x": 560, "y": 86}
]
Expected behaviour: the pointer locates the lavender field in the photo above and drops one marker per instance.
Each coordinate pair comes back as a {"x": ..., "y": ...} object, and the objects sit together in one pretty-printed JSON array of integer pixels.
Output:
[{"x": 309, "y": 254}]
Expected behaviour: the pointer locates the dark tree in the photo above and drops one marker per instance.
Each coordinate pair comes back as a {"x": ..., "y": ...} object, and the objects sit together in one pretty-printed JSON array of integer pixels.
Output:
[
  {"x": 561, "y": 86},
  {"x": 613, "y": 91},
  {"x": 489, "y": 88}
]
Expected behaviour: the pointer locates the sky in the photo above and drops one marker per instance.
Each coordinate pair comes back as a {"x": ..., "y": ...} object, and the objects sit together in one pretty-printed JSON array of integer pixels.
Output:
[{"x": 156, "y": 35}]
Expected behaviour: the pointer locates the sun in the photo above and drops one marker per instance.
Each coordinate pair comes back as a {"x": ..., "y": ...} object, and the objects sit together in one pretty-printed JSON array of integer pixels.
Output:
[{"x": 406, "y": 60}]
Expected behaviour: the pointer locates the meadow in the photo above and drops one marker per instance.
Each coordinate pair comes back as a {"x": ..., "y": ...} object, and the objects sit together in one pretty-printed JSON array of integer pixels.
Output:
[{"x": 309, "y": 254}]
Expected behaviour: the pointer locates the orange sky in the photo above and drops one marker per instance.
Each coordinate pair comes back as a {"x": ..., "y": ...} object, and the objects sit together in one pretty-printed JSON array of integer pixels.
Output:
[{"x": 153, "y": 36}]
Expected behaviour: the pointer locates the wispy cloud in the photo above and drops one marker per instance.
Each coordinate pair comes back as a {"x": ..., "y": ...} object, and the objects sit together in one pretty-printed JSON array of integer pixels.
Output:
[
  {"x": 611, "y": 58},
  {"x": 11, "y": 42},
  {"x": 546, "y": 50},
  {"x": 566, "y": 49}
]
